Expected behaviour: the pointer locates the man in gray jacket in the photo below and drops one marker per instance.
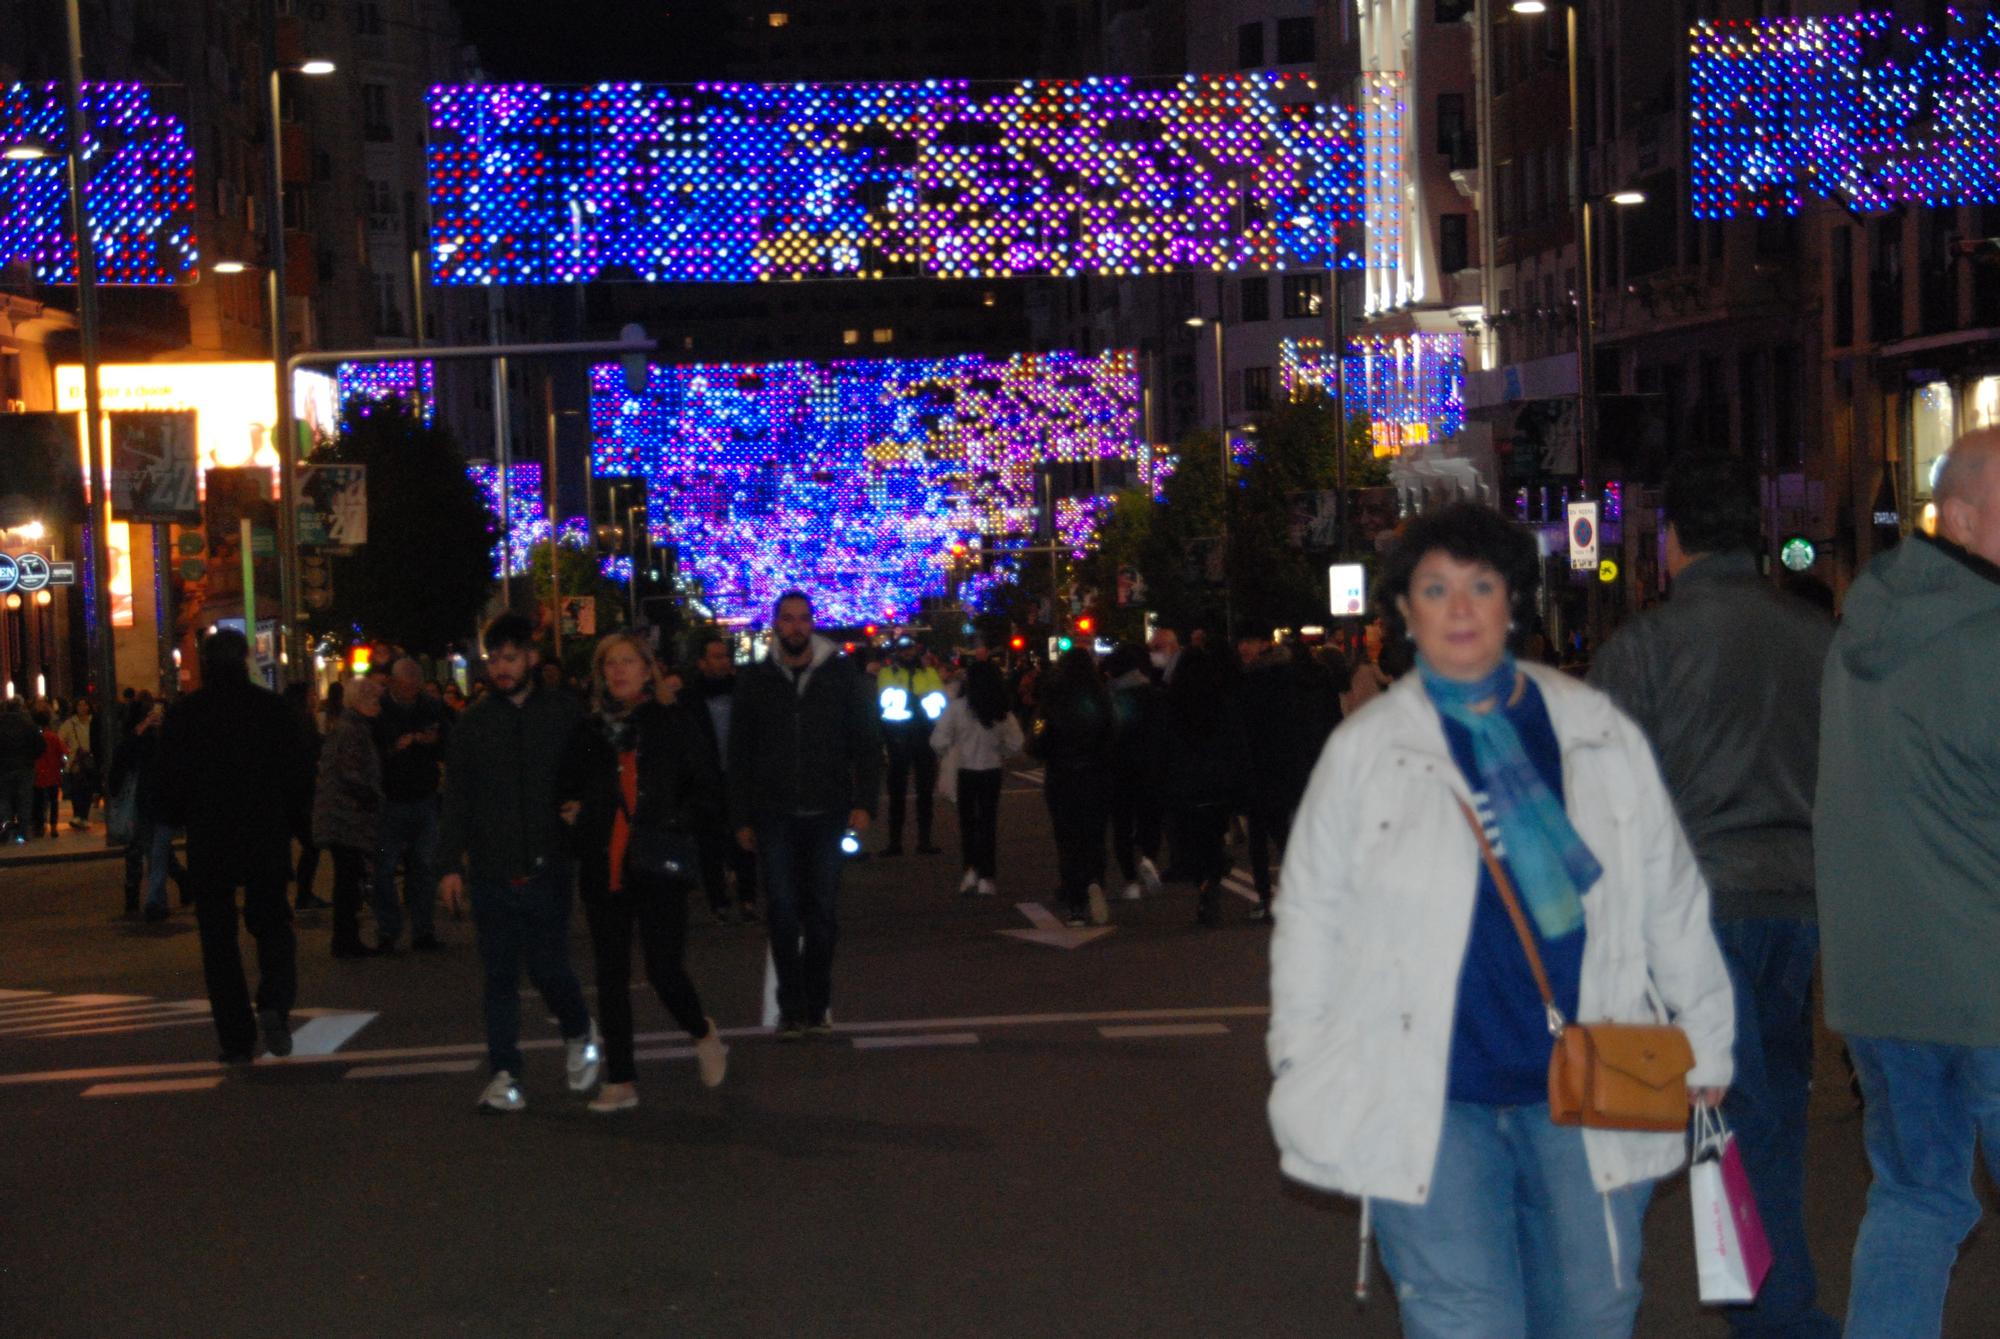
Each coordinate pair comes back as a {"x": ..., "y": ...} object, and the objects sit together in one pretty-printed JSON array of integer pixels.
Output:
[
  {"x": 1724, "y": 679},
  {"x": 1908, "y": 844}
]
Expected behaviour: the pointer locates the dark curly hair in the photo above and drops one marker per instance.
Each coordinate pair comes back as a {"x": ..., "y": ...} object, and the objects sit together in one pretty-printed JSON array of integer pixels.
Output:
[{"x": 1472, "y": 534}]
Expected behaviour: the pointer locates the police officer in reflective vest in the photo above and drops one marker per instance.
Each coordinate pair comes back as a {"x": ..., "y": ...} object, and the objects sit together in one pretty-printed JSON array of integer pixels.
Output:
[{"x": 912, "y": 698}]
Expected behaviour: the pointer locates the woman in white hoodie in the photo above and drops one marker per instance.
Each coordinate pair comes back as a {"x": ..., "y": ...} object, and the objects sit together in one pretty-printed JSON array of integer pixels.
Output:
[
  {"x": 1409, "y": 1042},
  {"x": 985, "y": 733}
]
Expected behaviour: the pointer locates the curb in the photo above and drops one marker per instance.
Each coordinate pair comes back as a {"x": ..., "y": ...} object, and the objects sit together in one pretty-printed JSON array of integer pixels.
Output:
[{"x": 63, "y": 858}]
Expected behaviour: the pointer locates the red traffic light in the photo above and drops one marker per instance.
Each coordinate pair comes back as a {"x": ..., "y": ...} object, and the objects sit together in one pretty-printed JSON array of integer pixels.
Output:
[
  {"x": 1086, "y": 624},
  {"x": 868, "y": 631},
  {"x": 1018, "y": 644}
]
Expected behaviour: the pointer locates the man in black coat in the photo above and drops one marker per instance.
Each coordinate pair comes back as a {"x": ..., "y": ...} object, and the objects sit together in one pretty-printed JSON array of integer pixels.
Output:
[
  {"x": 230, "y": 775},
  {"x": 712, "y": 700},
  {"x": 805, "y": 767}
]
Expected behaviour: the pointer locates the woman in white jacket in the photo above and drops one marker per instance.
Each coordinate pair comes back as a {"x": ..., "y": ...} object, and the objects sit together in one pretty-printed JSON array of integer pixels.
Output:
[
  {"x": 985, "y": 733},
  {"x": 1408, "y": 1041}
]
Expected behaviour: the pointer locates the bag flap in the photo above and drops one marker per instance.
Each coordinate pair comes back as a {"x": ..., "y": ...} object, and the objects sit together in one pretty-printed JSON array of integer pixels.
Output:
[{"x": 1654, "y": 1056}]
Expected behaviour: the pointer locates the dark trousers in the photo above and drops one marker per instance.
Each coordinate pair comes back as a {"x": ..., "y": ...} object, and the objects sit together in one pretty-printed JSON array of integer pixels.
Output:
[
  {"x": 306, "y": 872},
  {"x": 1135, "y": 825},
  {"x": 48, "y": 808},
  {"x": 1198, "y": 832},
  {"x": 719, "y": 855},
  {"x": 407, "y": 832},
  {"x": 802, "y": 863},
  {"x": 526, "y": 924},
  {"x": 1270, "y": 825},
  {"x": 661, "y": 910},
  {"x": 979, "y": 819},
  {"x": 910, "y": 751},
  {"x": 82, "y": 795},
  {"x": 1771, "y": 969},
  {"x": 268, "y": 918},
  {"x": 17, "y": 792},
  {"x": 350, "y": 879},
  {"x": 1078, "y": 808}
]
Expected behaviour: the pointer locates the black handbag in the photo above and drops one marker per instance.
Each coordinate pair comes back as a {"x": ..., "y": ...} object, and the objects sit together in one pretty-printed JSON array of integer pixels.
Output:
[{"x": 659, "y": 854}]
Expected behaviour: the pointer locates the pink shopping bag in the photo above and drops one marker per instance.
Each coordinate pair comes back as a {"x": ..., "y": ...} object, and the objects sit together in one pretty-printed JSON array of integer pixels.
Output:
[{"x": 1732, "y": 1254}]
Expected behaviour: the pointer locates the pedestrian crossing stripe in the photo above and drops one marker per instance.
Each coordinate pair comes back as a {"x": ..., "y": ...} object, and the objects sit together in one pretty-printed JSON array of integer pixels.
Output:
[{"x": 41, "y": 1014}]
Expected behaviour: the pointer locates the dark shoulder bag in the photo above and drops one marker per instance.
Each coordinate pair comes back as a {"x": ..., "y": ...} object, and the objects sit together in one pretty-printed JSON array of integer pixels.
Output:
[{"x": 670, "y": 854}]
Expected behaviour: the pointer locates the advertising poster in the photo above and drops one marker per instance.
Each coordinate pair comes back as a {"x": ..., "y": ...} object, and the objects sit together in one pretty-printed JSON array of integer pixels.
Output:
[
  {"x": 153, "y": 467},
  {"x": 234, "y": 495},
  {"x": 333, "y": 507}
]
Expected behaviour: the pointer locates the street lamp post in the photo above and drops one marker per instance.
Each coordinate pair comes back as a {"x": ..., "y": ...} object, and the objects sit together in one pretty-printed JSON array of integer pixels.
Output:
[
  {"x": 93, "y": 403},
  {"x": 1222, "y": 433},
  {"x": 290, "y": 661}
]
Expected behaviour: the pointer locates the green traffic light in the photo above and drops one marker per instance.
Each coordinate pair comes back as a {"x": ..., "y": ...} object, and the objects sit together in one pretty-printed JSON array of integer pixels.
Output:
[{"x": 1064, "y": 643}]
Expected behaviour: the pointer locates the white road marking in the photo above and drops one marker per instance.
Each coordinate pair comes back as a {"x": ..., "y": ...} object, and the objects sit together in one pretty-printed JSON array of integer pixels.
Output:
[
  {"x": 411, "y": 1069},
  {"x": 1240, "y": 884},
  {"x": 667, "y": 1053},
  {"x": 925, "y": 1039},
  {"x": 1165, "y": 1030},
  {"x": 58, "y": 1005},
  {"x": 327, "y": 1034},
  {"x": 389, "y": 1054},
  {"x": 155, "y": 1086},
  {"x": 20, "y": 994},
  {"x": 1050, "y": 931}
]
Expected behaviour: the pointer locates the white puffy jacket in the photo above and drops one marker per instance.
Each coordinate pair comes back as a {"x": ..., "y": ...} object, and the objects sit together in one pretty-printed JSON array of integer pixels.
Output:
[{"x": 1374, "y": 916}]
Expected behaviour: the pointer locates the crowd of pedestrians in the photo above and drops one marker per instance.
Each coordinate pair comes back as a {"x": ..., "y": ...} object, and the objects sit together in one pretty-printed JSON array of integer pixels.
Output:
[{"x": 1733, "y": 778}]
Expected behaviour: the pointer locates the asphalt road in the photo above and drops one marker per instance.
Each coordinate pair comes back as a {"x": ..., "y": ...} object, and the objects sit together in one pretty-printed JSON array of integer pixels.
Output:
[{"x": 987, "y": 1148}]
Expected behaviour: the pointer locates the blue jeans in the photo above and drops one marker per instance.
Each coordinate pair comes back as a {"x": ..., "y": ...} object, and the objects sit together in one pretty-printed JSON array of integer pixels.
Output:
[
  {"x": 802, "y": 861},
  {"x": 1928, "y": 1105},
  {"x": 407, "y": 830},
  {"x": 159, "y": 862},
  {"x": 1514, "y": 1241},
  {"x": 526, "y": 924},
  {"x": 1770, "y": 964}
]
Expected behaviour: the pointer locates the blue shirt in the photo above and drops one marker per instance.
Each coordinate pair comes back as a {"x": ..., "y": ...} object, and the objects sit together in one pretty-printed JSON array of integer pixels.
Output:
[{"x": 1500, "y": 1040}]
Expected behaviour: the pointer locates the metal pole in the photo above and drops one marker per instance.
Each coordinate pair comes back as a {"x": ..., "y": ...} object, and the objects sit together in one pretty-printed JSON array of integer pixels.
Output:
[
  {"x": 163, "y": 614},
  {"x": 105, "y": 651},
  {"x": 549, "y": 498},
  {"x": 417, "y": 296},
  {"x": 284, "y": 432},
  {"x": 246, "y": 538},
  {"x": 502, "y": 454},
  {"x": 1222, "y": 427},
  {"x": 1586, "y": 350}
]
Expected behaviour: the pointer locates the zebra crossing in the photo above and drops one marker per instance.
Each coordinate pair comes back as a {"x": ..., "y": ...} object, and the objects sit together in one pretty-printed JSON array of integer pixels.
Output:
[{"x": 46, "y": 1015}]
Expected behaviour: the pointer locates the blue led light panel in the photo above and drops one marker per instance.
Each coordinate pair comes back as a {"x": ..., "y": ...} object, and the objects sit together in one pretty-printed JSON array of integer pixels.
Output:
[
  {"x": 140, "y": 186},
  {"x": 854, "y": 480},
  {"x": 1857, "y": 109},
  {"x": 726, "y": 183},
  {"x": 413, "y": 382}
]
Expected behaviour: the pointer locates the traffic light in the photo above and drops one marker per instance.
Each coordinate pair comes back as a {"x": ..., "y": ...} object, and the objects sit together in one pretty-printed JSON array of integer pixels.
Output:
[
  {"x": 869, "y": 632},
  {"x": 1086, "y": 625},
  {"x": 1017, "y": 644},
  {"x": 1064, "y": 643}
]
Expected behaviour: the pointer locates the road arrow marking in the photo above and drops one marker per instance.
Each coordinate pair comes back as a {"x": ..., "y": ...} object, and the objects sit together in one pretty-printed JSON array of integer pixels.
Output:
[
  {"x": 1051, "y": 931},
  {"x": 327, "y": 1032}
]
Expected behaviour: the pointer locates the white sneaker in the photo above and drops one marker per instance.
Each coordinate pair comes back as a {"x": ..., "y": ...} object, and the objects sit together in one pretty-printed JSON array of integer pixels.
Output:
[
  {"x": 1149, "y": 876},
  {"x": 1100, "y": 911},
  {"x": 987, "y": 888},
  {"x": 615, "y": 1097},
  {"x": 969, "y": 882},
  {"x": 1132, "y": 891},
  {"x": 585, "y": 1055},
  {"x": 502, "y": 1094}
]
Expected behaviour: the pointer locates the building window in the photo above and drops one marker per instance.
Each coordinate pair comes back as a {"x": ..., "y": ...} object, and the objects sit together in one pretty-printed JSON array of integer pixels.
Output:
[
  {"x": 1295, "y": 41},
  {"x": 1933, "y": 426},
  {"x": 1454, "y": 243},
  {"x": 778, "y": 19},
  {"x": 1256, "y": 299},
  {"x": 388, "y": 312},
  {"x": 850, "y": 337},
  {"x": 376, "y": 125},
  {"x": 368, "y": 20},
  {"x": 1885, "y": 280},
  {"x": 882, "y": 334},
  {"x": 1302, "y": 295},
  {"x": 1455, "y": 139},
  {"x": 1249, "y": 46},
  {"x": 381, "y": 206},
  {"x": 1256, "y": 389},
  {"x": 298, "y": 207},
  {"x": 1843, "y": 287},
  {"x": 1452, "y": 11}
]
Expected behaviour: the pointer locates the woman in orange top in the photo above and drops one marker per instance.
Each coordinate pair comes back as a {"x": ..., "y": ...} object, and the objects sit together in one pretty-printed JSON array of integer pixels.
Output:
[{"x": 648, "y": 785}]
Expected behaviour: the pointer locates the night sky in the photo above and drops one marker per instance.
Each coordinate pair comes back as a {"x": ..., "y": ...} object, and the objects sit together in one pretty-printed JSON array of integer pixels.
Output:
[{"x": 583, "y": 41}]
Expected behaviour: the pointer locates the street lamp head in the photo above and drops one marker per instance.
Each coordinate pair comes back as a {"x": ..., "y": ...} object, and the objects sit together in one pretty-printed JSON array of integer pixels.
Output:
[
  {"x": 32, "y": 531},
  {"x": 24, "y": 153},
  {"x": 1197, "y": 322},
  {"x": 317, "y": 66},
  {"x": 1530, "y": 6},
  {"x": 229, "y": 267},
  {"x": 1628, "y": 197}
]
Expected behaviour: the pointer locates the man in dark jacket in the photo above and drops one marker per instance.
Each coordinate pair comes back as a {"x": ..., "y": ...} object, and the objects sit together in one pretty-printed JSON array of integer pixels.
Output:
[
  {"x": 1907, "y": 843},
  {"x": 1275, "y": 726},
  {"x": 230, "y": 775},
  {"x": 805, "y": 760},
  {"x": 712, "y": 700},
  {"x": 20, "y": 745},
  {"x": 410, "y": 736},
  {"x": 1725, "y": 680},
  {"x": 508, "y": 782}
]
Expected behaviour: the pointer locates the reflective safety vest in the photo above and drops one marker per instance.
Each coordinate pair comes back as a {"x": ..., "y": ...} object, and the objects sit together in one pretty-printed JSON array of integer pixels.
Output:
[{"x": 909, "y": 695}]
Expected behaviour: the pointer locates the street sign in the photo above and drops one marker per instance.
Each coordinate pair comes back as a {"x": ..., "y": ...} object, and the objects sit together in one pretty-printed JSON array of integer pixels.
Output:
[
  {"x": 31, "y": 572},
  {"x": 62, "y": 574},
  {"x": 1607, "y": 571},
  {"x": 153, "y": 467},
  {"x": 1582, "y": 536},
  {"x": 1349, "y": 589},
  {"x": 10, "y": 574},
  {"x": 1797, "y": 553}
]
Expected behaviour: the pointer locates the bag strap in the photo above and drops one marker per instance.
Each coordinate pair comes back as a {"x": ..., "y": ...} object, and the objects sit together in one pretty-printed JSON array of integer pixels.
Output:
[{"x": 1513, "y": 904}]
